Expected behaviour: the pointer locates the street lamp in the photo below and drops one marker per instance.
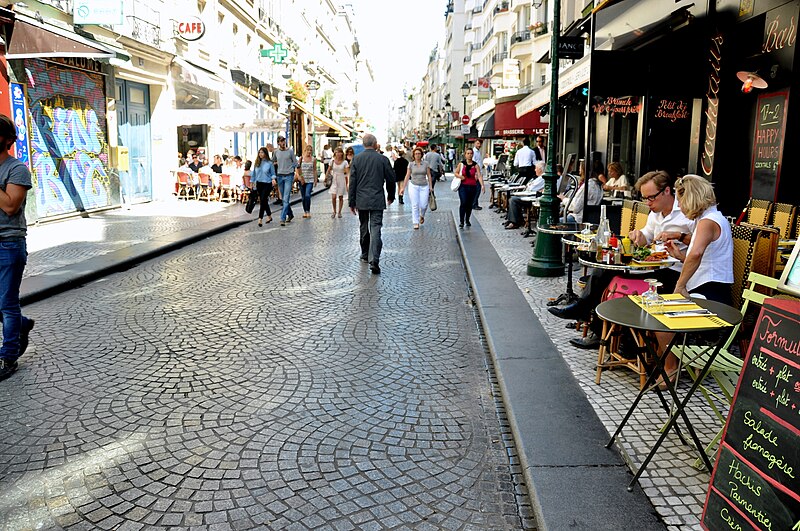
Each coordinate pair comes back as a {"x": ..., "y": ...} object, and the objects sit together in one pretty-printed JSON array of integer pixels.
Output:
[
  {"x": 313, "y": 86},
  {"x": 546, "y": 260},
  {"x": 464, "y": 94}
]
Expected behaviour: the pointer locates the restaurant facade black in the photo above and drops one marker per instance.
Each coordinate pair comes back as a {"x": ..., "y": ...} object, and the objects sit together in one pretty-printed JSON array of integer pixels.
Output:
[{"x": 697, "y": 87}]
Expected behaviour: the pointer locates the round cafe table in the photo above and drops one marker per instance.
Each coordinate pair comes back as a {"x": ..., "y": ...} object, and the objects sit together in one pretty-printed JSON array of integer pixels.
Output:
[
  {"x": 563, "y": 229},
  {"x": 624, "y": 312}
]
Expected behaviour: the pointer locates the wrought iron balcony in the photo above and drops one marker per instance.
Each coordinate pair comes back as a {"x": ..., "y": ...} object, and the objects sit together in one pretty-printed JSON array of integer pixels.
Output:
[
  {"x": 477, "y": 9},
  {"x": 502, "y": 7},
  {"x": 498, "y": 57},
  {"x": 487, "y": 37},
  {"x": 520, "y": 36},
  {"x": 144, "y": 31}
]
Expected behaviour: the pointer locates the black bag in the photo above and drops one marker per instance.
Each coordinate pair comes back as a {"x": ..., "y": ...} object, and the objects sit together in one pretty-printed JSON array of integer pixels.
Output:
[{"x": 252, "y": 197}]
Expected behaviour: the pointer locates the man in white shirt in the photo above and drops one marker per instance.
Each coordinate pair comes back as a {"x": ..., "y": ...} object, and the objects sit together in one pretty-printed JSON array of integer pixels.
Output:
[
  {"x": 524, "y": 159},
  {"x": 477, "y": 158},
  {"x": 540, "y": 152}
]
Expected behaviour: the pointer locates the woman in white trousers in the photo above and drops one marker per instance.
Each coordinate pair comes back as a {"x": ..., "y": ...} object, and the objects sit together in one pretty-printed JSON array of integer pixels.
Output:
[{"x": 417, "y": 187}]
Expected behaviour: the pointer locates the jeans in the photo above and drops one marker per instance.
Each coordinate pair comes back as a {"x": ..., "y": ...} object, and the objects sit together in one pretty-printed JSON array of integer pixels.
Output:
[
  {"x": 477, "y": 195},
  {"x": 370, "y": 234},
  {"x": 285, "y": 184},
  {"x": 13, "y": 257},
  {"x": 263, "y": 189},
  {"x": 305, "y": 193},
  {"x": 419, "y": 196},
  {"x": 466, "y": 195},
  {"x": 434, "y": 177}
]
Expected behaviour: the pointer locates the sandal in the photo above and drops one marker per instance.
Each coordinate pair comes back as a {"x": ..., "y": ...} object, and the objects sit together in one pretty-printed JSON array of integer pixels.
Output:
[
  {"x": 333, "y": 215},
  {"x": 422, "y": 220},
  {"x": 416, "y": 226},
  {"x": 340, "y": 214},
  {"x": 269, "y": 219}
]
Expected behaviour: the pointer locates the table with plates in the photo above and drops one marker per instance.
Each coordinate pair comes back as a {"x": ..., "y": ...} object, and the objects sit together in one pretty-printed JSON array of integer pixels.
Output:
[{"x": 630, "y": 312}]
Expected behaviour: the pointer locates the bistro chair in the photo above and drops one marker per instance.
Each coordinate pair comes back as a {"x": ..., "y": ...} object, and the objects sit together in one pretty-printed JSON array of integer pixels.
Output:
[
  {"x": 226, "y": 189},
  {"x": 627, "y": 220},
  {"x": 758, "y": 211},
  {"x": 244, "y": 194},
  {"x": 725, "y": 368},
  {"x": 207, "y": 192},
  {"x": 185, "y": 189},
  {"x": 783, "y": 218},
  {"x": 640, "y": 213},
  {"x": 754, "y": 251}
]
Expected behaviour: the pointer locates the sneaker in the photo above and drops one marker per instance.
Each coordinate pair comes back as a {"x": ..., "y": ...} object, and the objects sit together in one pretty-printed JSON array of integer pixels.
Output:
[
  {"x": 7, "y": 368},
  {"x": 591, "y": 341},
  {"x": 376, "y": 270},
  {"x": 469, "y": 224},
  {"x": 364, "y": 258},
  {"x": 289, "y": 219},
  {"x": 478, "y": 208},
  {"x": 277, "y": 202},
  {"x": 24, "y": 335},
  {"x": 283, "y": 223}
]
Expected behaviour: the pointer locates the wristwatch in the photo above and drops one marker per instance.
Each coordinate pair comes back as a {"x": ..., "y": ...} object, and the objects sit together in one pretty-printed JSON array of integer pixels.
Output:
[{"x": 683, "y": 235}]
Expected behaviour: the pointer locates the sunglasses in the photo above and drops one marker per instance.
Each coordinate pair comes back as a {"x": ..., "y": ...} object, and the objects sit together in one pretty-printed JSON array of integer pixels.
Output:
[{"x": 654, "y": 196}]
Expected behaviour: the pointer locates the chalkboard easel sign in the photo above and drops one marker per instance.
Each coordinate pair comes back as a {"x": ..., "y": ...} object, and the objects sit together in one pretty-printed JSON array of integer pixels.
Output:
[
  {"x": 768, "y": 137},
  {"x": 755, "y": 483}
]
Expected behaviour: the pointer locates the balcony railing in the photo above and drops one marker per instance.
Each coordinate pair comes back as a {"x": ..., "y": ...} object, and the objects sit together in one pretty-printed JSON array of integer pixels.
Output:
[
  {"x": 468, "y": 26},
  {"x": 498, "y": 57},
  {"x": 520, "y": 36},
  {"x": 502, "y": 7},
  {"x": 487, "y": 37},
  {"x": 468, "y": 58},
  {"x": 144, "y": 31},
  {"x": 539, "y": 29},
  {"x": 477, "y": 9}
]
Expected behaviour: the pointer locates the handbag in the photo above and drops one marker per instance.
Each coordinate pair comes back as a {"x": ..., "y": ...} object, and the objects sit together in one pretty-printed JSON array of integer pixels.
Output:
[
  {"x": 455, "y": 183},
  {"x": 328, "y": 180},
  {"x": 432, "y": 202},
  {"x": 252, "y": 197}
]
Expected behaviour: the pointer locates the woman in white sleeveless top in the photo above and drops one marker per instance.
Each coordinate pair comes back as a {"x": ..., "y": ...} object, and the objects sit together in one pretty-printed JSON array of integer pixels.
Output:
[{"x": 339, "y": 169}]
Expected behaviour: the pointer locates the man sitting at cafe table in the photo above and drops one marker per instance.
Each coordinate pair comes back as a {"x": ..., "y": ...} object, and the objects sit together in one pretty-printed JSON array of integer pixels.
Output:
[
  {"x": 665, "y": 222},
  {"x": 515, "y": 203}
]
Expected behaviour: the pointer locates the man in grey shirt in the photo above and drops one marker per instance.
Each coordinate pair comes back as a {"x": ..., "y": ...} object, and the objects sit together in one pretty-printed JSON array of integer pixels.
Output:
[
  {"x": 369, "y": 173},
  {"x": 285, "y": 162},
  {"x": 435, "y": 163},
  {"x": 15, "y": 181}
]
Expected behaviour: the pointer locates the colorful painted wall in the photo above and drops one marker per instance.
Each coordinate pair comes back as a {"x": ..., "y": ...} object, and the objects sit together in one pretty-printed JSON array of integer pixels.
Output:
[{"x": 69, "y": 148}]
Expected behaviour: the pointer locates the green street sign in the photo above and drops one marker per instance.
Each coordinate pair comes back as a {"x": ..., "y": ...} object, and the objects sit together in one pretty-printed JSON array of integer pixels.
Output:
[{"x": 277, "y": 53}]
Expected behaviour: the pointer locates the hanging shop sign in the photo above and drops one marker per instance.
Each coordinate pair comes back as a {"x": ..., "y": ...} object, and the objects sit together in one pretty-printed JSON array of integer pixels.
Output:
[
  {"x": 97, "y": 12},
  {"x": 623, "y": 106},
  {"x": 190, "y": 28},
  {"x": 570, "y": 47},
  {"x": 712, "y": 105},
  {"x": 19, "y": 112},
  {"x": 671, "y": 110},
  {"x": 780, "y": 34}
]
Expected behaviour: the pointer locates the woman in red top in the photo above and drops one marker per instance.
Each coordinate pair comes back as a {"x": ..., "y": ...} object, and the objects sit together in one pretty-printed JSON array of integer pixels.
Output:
[{"x": 470, "y": 175}]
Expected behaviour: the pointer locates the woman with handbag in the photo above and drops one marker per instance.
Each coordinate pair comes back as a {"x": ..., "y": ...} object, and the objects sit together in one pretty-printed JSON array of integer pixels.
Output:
[
  {"x": 338, "y": 173},
  {"x": 418, "y": 184},
  {"x": 307, "y": 176},
  {"x": 262, "y": 175},
  {"x": 469, "y": 174}
]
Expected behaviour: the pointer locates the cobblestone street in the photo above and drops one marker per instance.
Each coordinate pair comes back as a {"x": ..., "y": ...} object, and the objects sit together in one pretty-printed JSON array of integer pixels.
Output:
[{"x": 264, "y": 379}]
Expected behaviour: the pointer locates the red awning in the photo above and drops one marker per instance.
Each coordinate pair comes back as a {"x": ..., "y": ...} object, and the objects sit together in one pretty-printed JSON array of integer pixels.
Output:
[{"x": 506, "y": 122}]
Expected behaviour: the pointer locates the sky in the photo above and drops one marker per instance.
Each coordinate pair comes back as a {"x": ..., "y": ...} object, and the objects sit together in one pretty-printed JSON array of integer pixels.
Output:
[{"x": 397, "y": 39}]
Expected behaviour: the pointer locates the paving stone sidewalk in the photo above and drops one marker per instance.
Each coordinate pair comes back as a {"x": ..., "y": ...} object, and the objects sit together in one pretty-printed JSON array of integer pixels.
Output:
[{"x": 676, "y": 489}]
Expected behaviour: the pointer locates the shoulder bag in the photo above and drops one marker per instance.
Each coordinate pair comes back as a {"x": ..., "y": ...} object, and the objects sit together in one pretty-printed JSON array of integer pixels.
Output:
[
  {"x": 432, "y": 202},
  {"x": 455, "y": 183}
]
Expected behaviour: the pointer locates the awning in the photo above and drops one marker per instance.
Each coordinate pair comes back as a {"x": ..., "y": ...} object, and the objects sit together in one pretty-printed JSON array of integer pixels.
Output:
[
  {"x": 574, "y": 76},
  {"x": 212, "y": 117},
  {"x": 32, "y": 39},
  {"x": 485, "y": 126},
  {"x": 185, "y": 72},
  {"x": 506, "y": 122},
  {"x": 326, "y": 122},
  {"x": 259, "y": 116}
]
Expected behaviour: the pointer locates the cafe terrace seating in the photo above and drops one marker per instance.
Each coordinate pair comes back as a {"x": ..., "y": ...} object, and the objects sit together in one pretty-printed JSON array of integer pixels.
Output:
[
  {"x": 783, "y": 219},
  {"x": 754, "y": 250},
  {"x": 207, "y": 191},
  {"x": 226, "y": 189},
  {"x": 185, "y": 189},
  {"x": 758, "y": 211},
  {"x": 244, "y": 195}
]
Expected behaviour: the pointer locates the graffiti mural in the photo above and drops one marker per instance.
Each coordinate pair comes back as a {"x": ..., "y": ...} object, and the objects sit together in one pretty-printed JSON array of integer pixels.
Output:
[{"x": 69, "y": 150}]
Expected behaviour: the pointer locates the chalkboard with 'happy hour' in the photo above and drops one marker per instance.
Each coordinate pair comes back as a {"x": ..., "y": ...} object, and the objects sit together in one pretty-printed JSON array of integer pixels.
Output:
[{"x": 755, "y": 483}]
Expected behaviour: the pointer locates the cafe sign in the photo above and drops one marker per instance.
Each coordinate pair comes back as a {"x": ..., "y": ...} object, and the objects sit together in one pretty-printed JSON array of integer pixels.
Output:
[
  {"x": 672, "y": 110},
  {"x": 780, "y": 35},
  {"x": 623, "y": 106},
  {"x": 190, "y": 28}
]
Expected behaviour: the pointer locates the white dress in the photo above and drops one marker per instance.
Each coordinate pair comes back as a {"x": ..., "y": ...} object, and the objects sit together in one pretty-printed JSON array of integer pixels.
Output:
[{"x": 338, "y": 186}]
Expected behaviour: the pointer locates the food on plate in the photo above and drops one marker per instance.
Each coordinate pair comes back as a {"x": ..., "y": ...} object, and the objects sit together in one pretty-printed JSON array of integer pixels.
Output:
[
  {"x": 659, "y": 256},
  {"x": 641, "y": 253}
]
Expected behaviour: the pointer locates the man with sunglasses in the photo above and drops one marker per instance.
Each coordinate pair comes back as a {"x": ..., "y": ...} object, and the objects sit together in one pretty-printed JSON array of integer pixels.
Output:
[{"x": 665, "y": 218}]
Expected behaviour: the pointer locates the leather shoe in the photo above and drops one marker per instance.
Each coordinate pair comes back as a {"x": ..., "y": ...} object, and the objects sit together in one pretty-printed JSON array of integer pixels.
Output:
[
  {"x": 570, "y": 311},
  {"x": 591, "y": 341},
  {"x": 376, "y": 270},
  {"x": 478, "y": 208}
]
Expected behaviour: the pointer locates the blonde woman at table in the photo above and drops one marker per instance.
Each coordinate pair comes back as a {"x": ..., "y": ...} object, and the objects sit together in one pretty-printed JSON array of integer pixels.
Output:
[
  {"x": 708, "y": 261},
  {"x": 418, "y": 184},
  {"x": 617, "y": 182},
  {"x": 339, "y": 170}
]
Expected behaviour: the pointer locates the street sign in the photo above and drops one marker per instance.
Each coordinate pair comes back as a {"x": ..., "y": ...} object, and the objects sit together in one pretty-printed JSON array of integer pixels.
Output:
[
  {"x": 465, "y": 119},
  {"x": 464, "y": 129},
  {"x": 312, "y": 84},
  {"x": 277, "y": 53}
]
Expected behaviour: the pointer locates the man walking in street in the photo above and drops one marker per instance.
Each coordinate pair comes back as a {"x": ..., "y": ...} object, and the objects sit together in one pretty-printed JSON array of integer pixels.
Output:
[
  {"x": 477, "y": 158},
  {"x": 435, "y": 163},
  {"x": 524, "y": 159},
  {"x": 285, "y": 162},
  {"x": 15, "y": 181},
  {"x": 369, "y": 173}
]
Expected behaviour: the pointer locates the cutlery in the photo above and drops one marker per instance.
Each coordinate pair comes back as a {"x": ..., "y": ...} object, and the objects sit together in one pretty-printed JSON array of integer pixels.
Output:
[{"x": 690, "y": 313}]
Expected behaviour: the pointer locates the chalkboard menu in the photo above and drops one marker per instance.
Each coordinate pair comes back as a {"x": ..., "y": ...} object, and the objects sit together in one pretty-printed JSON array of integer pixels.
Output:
[
  {"x": 755, "y": 482},
  {"x": 768, "y": 145}
]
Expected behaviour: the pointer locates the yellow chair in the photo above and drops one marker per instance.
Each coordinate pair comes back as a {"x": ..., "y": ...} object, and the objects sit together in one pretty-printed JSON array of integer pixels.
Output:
[
  {"x": 640, "y": 213},
  {"x": 626, "y": 224},
  {"x": 758, "y": 212},
  {"x": 783, "y": 218},
  {"x": 755, "y": 249}
]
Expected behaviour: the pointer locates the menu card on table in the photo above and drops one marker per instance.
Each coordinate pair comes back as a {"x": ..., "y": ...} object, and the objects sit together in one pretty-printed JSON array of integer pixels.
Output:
[{"x": 756, "y": 479}]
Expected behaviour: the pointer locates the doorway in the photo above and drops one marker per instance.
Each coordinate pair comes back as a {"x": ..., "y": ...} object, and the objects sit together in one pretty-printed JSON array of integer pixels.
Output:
[{"x": 133, "y": 119}]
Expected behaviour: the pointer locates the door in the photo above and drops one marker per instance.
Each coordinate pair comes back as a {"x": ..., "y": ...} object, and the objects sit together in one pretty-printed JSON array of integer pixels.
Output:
[{"x": 133, "y": 119}]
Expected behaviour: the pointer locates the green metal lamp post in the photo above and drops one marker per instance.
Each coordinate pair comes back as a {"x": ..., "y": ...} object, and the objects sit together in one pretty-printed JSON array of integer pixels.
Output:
[
  {"x": 313, "y": 86},
  {"x": 546, "y": 260}
]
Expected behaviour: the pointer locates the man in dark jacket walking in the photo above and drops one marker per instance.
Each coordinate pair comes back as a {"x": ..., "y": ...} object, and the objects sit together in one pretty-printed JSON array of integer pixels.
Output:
[{"x": 369, "y": 173}]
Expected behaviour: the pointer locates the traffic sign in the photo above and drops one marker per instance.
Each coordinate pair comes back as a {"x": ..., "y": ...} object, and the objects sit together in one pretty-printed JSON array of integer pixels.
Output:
[
  {"x": 465, "y": 119},
  {"x": 465, "y": 129}
]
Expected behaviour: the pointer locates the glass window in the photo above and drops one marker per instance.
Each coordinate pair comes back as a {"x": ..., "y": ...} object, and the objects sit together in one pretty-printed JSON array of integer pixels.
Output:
[{"x": 136, "y": 95}]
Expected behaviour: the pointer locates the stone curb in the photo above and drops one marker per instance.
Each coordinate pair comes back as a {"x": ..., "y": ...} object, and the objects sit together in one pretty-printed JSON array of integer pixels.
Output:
[{"x": 573, "y": 480}]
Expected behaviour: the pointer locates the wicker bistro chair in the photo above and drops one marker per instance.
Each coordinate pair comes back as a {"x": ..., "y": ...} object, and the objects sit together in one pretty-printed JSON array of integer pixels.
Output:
[
  {"x": 227, "y": 193},
  {"x": 758, "y": 211},
  {"x": 754, "y": 251},
  {"x": 185, "y": 188},
  {"x": 783, "y": 218},
  {"x": 627, "y": 220},
  {"x": 725, "y": 368},
  {"x": 244, "y": 194},
  {"x": 640, "y": 213}
]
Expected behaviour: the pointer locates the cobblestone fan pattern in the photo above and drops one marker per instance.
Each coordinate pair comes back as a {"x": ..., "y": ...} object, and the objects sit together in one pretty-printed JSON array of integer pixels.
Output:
[
  {"x": 264, "y": 379},
  {"x": 62, "y": 243},
  {"x": 676, "y": 489}
]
